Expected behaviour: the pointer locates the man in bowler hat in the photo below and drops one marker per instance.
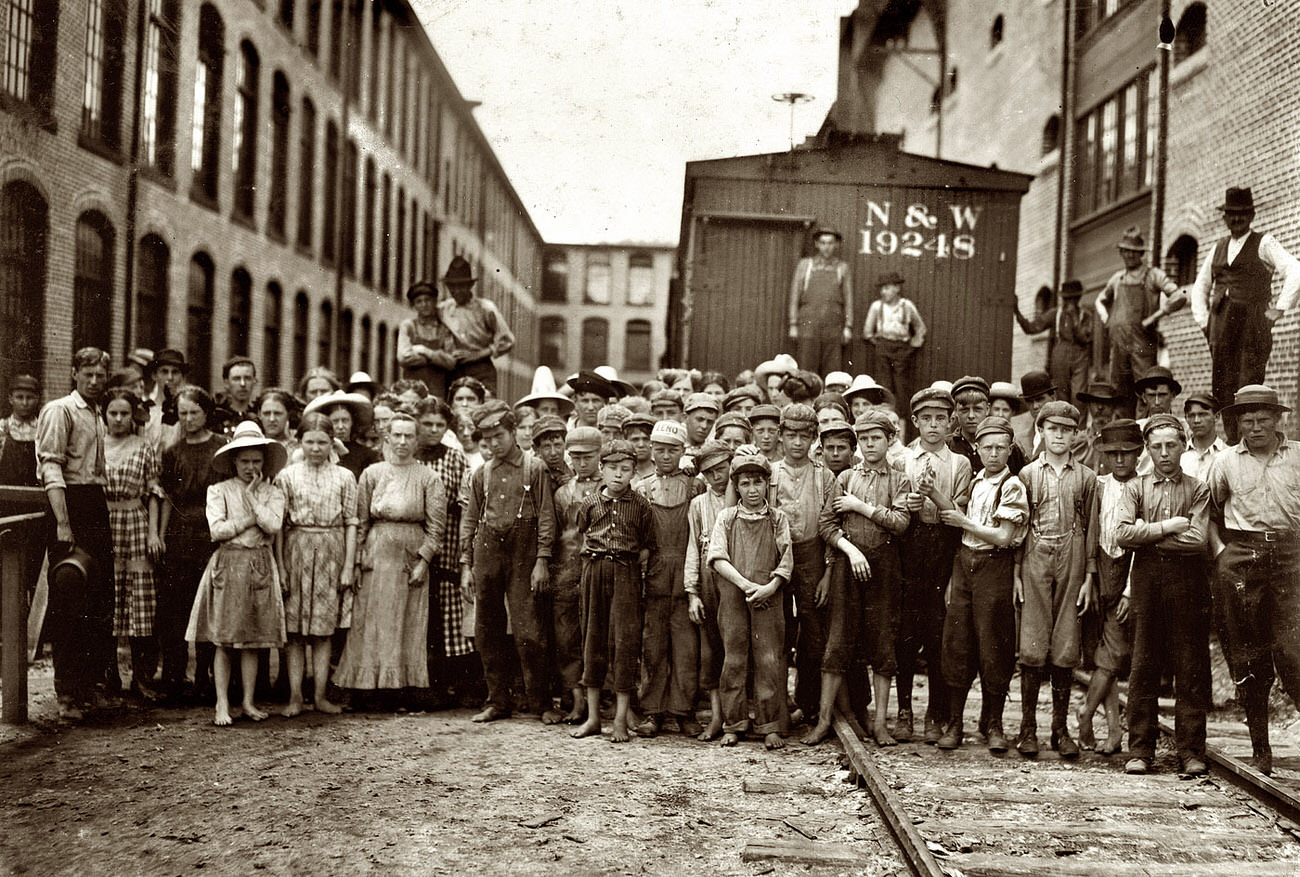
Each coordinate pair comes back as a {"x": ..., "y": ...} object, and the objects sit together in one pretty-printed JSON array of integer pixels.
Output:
[
  {"x": 821, "y": 305},
  {"x": 1232, "y": 299}
]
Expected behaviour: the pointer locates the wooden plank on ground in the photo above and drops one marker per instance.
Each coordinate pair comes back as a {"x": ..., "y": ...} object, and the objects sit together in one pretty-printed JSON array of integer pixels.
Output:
[
  {"x": 800, "y": 851},
  {"x": 1026, "y": 866},
  {"x": 1074, "y": 799},
  {"x": 1160, "y": 834}
]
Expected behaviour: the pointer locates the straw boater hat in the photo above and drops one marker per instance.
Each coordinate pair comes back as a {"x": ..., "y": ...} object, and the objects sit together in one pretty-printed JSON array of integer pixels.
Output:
[
  {"x": 609, "y": 373},
  {"x": 544, "y": 389},
  {"x": 1007, "y": 391},
  {"x": 1253, "y": 397},
  {"x": 249, "y": 435},
  {"x": 359, "y": 406}
]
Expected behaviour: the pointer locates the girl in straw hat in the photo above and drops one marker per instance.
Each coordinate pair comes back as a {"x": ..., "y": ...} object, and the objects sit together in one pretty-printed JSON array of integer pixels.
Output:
[{"x": 239, "y": 604}]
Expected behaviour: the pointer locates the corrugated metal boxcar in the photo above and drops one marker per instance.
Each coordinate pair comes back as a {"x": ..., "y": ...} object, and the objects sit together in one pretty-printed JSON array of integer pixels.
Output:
[{"x": 950, "y": 229}]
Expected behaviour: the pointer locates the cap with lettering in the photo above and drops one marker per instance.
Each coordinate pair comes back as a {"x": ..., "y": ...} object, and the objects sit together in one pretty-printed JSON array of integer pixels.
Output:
[
  {"x": 669, "y": 432},
  {"x": 583, "y": 439}
]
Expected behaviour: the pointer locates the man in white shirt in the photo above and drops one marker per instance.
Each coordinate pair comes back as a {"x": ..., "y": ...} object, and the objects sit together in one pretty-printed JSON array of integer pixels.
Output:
[
  {"x": 1232, "y": 299},
  {"x": 1200, "y": 411}
]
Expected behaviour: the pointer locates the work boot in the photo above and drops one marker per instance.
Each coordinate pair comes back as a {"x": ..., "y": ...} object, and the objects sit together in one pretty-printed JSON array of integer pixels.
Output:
[
  {"x": 997, "y": 740},
  {"x": 952, "y": 736},
  {"x": 1062, "y": 742},
  {"x": 1031, "y": 680},
  {"x": 933, "y": 728},
  {"x": 986, "y": 711},
  {"x": 1260, "y": 748},
  {"x": 903, "y": 726}
]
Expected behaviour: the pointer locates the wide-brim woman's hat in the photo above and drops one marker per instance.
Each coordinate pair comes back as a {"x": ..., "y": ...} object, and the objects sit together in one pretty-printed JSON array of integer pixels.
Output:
[
  {"x": 249, "y": 435},
  {"x": 1253, "y": 397},
  {"x": 360, "y": 407},
  {"x": 544, "y": 389},
  {"x": 1101, "y": 391},
  {"x": 866, "y": 387},
  {"x": 781, "y": 364},
  {"x": 609, "y": 373},
  {"x": 590, "y": 382},
  {"x": 459, "y": 271},
  {"x": 1007, "y": 391}
]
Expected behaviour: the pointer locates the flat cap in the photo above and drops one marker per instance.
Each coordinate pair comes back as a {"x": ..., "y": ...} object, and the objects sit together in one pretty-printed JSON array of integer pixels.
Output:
[
  {"x": 583, "y": 438},
  {"x": 669, "y": 432},
  {"x": 702, "y": 400},
  {"x": 750, "y": 463},
  {"x": 764, "y": 412},
  {"x": 711, "y": 453},
  {"x": 550, "y": 424},
  {"x": 732, "y": 418},
  {"x": 970, "y": 382},
  {"x": 1120, "y": 435},
  {"x": 1059, "y": 412},
  {"x": 617, "y": 451},
  {"x": 931, "y": 397},
  {"x": 738, "y": 394},
  {"x": 638, "y": 420},
  {"x": 874, "y": 419},
  {"x": 833, "y": 426},
  {"x": 994, "y": 425},
  {"x": 24, "y": 382},
  {"x": 613, "y": 415},
  {"x": 1204, "y": 399},
  {"x": 1164, "y": 421},
  {"x": 671, "y": 396},
  {"x": 796, "y": 416},
  {"x": 491, "y": 413}
]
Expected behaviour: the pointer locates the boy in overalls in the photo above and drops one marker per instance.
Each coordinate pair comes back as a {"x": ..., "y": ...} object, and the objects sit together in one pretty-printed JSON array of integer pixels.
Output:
[{"x": 714, "y": 463}]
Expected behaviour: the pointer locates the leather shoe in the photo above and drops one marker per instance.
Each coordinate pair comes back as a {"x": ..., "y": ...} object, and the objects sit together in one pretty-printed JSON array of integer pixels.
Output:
[
  {"x": 903, "y": 726},
  {"x": 1194, "y": 767},
  {"x": 997, "y": 740},
  {"x": 1263, "y": 762},
  {"x": 1137, "y": 766},
  {"x": 1027, "y": 744},
  {"x": 951, "y": 738},
  {"x": 932, "y": 731},
  {"x": 1063, "y": 743}
]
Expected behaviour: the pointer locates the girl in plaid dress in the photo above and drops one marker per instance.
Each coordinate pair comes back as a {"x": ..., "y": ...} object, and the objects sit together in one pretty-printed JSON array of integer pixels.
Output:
[
  {"x": 451, "y": 655},
  {"x": 133, "y": 503}
]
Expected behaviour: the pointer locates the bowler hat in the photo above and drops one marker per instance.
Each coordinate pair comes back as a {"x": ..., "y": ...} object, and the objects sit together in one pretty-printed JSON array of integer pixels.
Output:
[
  {"x": 1253, "y": 397},
  {"x": 889, "y": 278},
  {"x": 1071, "y": 289},
  {"x": 459, "y": 271},
  {"x": 826, "y": 229},
  {"x": 1120, "y": 435},
  {"x": 1034, "y": 384},
  {"x": 1238, "y": 200},
  {"x": 1132, "y": 240},
  {"x": 1101, "y": 391},
  {"x": 1158, "y": 374}
]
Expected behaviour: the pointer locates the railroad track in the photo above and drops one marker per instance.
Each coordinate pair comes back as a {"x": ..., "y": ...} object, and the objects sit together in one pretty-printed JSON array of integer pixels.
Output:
[{"x": 971, "y": 813}]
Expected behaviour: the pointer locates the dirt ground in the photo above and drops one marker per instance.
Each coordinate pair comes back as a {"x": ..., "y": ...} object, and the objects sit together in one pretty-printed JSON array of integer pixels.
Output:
[{"x": 165, "y": 792}]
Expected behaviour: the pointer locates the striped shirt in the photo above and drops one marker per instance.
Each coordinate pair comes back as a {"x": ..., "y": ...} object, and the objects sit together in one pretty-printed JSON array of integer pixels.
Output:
[{"x": 620, "y": 525}]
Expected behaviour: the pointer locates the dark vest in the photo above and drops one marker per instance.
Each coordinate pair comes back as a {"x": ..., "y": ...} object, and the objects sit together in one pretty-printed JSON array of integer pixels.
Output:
[{"x": 1246, "y": 281}]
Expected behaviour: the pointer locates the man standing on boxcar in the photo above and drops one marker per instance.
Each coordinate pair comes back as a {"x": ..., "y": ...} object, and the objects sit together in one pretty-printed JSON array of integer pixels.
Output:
[
  {"x": 821, "y": 305},
  {"x": 1232, "y": 299},
  {"x": 70, "y": 454},
  {"x": 1255, "y": 508}
]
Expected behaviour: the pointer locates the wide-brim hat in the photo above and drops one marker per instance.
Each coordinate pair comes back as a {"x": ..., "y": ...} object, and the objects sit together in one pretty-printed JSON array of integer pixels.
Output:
[
  {"x": 170, "y": 356},
  {"x": 1253, "y": 397},
  {"x": 141, "y": 357},
  {"x": 249, "y": 435},
  {"x": 865, "y": 386},
  {"x": 889, "y": 278},
  {"x": 1071, "y": 289},
  {"x": 1132, "y": 239},
  {"x": 1237, "y": 200},
  {"x": 363, "y": 380},
  {"x": 1157, "y": 375},
  {"x": 1007, "y": 391},
  {"x": 590, "y": 382},
  {"x": 544, "y": 389},
  {"x": 609, "y": 373},
  {"x": 1101, "y": 391},
  {"x": 459, "y": 271},
  {"x": 781, "y": 364},
  {"x": 360, "y": 407},
  {"x": 77, "y": 560},
  {"x": 826, "y": 229},
  {"x": 1034, "y": 384},
  {"x": 837, "y": 378}
]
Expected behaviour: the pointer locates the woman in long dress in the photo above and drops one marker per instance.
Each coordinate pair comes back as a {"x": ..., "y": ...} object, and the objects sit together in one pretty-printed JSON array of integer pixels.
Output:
[
  {"x": 131, "y": 467},
  {"x": 320, "y": 544},
  {"x": 401, "y": 510}
]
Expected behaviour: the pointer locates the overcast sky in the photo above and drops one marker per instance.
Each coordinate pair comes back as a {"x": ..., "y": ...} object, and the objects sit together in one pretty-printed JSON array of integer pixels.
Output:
[{"x": 594, "y": 106}]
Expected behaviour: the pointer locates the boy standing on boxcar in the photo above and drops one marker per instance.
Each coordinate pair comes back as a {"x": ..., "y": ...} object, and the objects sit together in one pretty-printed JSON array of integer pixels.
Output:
[
  {"x": 940, "y": 480},
  {"x": 1054, "y": 574},
  {"x": 801, "y": 487},
  {"x": 671, "y": 650},
  {"x": 714, "y": 463},
  {"x": 750, "y": 550},
  {"x": 1164, "y": 517},
  {"x": 979, "y": 632},
  {"x": 861, "y": 523},
  {"x": 1119, "y": 442},
  {"x": 618, "y": 538}
]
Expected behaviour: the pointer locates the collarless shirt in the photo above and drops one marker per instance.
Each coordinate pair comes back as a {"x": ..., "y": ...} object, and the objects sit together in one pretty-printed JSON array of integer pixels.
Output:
[
  {"x": 882, "y": 487},
  {"x": 994, "y": 499},
  {"x": 801, "y": 492},
  {"x": 1257, "y": 494},
  {"x": 1149, "y": 500},
  {"x": 502, "y": 491},
  {"x": 621, "y": 524},
  {"x": 70, "y": 443}
]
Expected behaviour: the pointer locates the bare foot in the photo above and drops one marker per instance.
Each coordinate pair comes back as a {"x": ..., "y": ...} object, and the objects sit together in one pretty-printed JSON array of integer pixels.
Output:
[
  {"x": 253, "y": 713},
  {"x": 774, "y": 741},
  {"x": 552, "y": 717},
  {"x": 711, "y": 732},
  {"x": 813, "y": 737},
  {"x": 731, "y": 738},
  {"x": 294, "y": 707},
  {"x": 618, "y": 733},
  {"x": 327, "y": 706},
  {"x": 1113, "y": 742},
  {"x": 575, "y": 716},
  {"x": 222, "y": 717},
  {"x": 488, "y": 714},
  {"x": 589, "y": 728},
  {"x": 883, "y": 737},
  {"x": 1087, "y": 739}
]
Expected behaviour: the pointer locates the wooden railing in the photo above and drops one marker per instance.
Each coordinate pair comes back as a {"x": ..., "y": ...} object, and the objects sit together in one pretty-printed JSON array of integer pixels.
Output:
[{"x": 13, "y": 598}]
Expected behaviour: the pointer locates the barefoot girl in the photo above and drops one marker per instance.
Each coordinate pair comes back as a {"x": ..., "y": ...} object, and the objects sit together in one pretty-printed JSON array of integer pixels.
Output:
[
  {"x": 320, "y": 543},
  {"x": 239, "y": 605}
]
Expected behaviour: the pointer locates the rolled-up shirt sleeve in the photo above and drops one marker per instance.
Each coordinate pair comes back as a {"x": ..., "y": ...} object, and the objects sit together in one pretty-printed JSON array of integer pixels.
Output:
[{"x": 52, "y": 431}]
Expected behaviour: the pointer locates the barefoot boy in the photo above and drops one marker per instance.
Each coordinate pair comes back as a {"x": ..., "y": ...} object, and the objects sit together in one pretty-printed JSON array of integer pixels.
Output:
[
  {"x": 670, "y": 669},
  {"x": 979, "y": 631},
  {"x": 1119, "y": 443},
  {"x": 751, "y": 550},
  {"x": 714, "y": 462},
  {"x": 866, "y": 583},
  {"x": 617, "y": 527},
  {"x": 1054, "y": 572}
]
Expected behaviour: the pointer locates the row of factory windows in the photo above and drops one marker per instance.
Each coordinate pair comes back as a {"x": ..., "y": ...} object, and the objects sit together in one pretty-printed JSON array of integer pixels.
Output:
[{"x": 594, "y": 345}]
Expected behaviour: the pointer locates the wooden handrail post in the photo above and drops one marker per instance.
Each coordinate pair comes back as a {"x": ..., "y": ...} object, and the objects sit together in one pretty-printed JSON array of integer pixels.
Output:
[{"x": 13, "y": 607}]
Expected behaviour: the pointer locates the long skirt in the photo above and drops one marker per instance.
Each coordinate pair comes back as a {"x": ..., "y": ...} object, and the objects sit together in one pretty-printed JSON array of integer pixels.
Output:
[{"x": 390, "y": 619}]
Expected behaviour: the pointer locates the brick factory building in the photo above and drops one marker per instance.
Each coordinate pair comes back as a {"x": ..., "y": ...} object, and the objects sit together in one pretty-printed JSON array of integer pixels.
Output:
[
  {"x": 1070, "y": 93},
  {"x": 241, "y": 176},
  {"x": 605, "y": 304}
]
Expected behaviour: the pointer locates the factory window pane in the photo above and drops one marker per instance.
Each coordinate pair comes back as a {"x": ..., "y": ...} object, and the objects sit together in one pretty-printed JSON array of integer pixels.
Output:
[
  {"x": 1051, "y": 135},
  {"x": 345, "y": 342},
  {"x": 595, "y": 342},
  {"x": 995, "y": 31},
  {"x": 382, "y": 366},
  {"x": 301, "y": 317},
  {"x": 1180, "y": 261},
  {"x": 368, "y": 224},
  {"x": 28, "y": 47},
  {"x": 271, "y": 316},
  {"x": 1189, "y": 37},
  {"x": 101, "y": 97},
  {"x": 92, "y": 291},
  {"x": 329, "y": 195},
  {"x": 325, "y": 336},
  {"x": 363, "y": 353},
  {"x": 348, "y": 208},
  {"x": 555, "y": 277},
  {"x": 243, "y": 148},
  {"x": 636, "y": 349},
  {"x": 554, "y": 351},
  {"x": 385, "y": 229},
  {"x": 151, "y": 292},
  {"x": 640, "y": 279},
  {"x": 313, "y": 26},
  {"x": 281, "y": 110},
  {"x": 158, "y": 128},
  {"x": 206, "y": 132},
  {"x": 198, "y": 324},
  {"x": 24, "y": 218},
  {"x": 286, "y": 13},
  {"x": 241, "y": 308},
  {"x": 598, "y": 278},
  {"x": 306, "y": 172}
]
